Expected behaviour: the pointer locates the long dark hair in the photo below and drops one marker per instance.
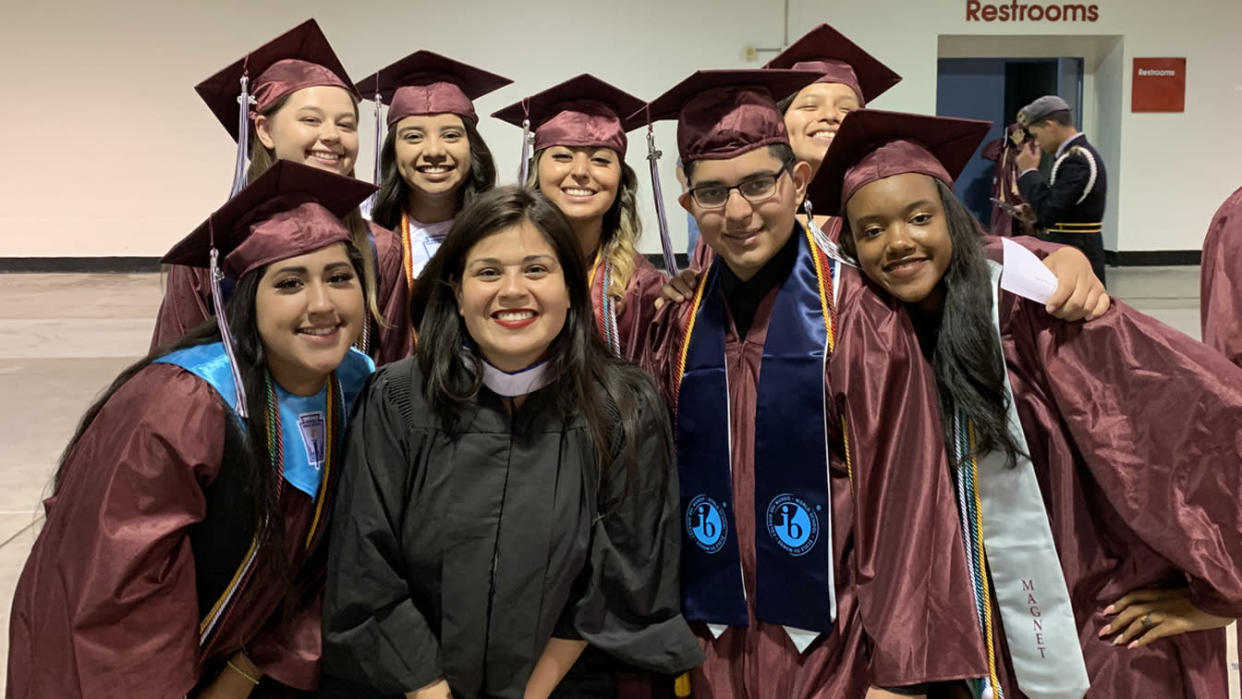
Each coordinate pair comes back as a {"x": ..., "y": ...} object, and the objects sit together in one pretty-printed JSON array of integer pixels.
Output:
[
  {"x": 588, "y": 379},
  {"x": 966, "y": 357},
  {"x": 394, "y": 191},
  {"x": 261, "y": 483}
]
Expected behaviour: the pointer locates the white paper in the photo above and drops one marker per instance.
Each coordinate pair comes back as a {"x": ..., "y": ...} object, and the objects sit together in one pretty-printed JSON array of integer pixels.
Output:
[{"x": 1025, "y": 275}]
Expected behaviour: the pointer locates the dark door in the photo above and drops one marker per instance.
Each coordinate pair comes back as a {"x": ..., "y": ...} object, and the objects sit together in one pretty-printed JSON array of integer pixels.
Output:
[{"x": 995, "y": 89}]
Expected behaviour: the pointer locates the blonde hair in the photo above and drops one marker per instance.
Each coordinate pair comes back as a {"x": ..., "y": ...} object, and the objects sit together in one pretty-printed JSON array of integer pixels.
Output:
[
  {"x": 621, "y": 227},
  {"x": 261, "y": 159}
]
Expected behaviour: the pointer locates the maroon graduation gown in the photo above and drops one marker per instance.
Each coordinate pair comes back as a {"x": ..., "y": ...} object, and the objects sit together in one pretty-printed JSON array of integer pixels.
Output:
[
  {"x": 1220, "y": 291},
  {"x": 901, "y": 580},
  {"x": 1134, "y": 433},
  {"x": 187, "y": 302},
  {"x": 106, "y": 606},
  {"x": 1004, "y": 152},
  {"x": 634, "y": 321}
]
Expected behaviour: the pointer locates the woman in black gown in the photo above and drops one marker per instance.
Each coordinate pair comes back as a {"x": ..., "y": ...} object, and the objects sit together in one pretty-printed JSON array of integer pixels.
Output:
[{"x": 509, "y": 494}]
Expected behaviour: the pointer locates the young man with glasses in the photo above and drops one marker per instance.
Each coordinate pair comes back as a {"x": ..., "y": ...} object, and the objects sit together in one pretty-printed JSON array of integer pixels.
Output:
[
  {"x": 821, "y": 554},
  {"x": 847, "y": 79}
]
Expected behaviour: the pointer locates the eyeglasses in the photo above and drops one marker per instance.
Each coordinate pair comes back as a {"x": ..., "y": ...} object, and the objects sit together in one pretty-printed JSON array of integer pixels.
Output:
[{"x": 755, "y": 189}]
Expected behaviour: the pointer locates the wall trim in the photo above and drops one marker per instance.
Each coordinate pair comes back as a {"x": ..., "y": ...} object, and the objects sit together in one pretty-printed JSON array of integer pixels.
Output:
[
  {"x": 1151, "y": 258},
  {"x": 88, "y": 265}
]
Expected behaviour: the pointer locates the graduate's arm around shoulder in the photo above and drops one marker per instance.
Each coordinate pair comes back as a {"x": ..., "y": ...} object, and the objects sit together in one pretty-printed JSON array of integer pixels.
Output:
[
  {"x": 911, "y": 578},
  {"x": 374, "y": 633},
  {"x": 1080, "y": 295},
  {"x": 1155, "y": 416},
  {"x": 631, "y": 606},
  {"x": 662, "y": 345}
]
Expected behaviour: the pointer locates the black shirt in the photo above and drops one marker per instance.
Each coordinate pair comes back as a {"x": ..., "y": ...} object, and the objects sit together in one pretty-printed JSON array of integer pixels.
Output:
[{"x": 743, "y": 297}]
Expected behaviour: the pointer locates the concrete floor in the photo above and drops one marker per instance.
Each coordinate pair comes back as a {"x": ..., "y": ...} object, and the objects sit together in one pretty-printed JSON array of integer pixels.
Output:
[{"x": 63, "y": 337}]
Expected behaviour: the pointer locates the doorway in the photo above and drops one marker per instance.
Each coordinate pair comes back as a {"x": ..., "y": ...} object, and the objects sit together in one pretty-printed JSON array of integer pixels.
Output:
[{"x": 994, "y": 89}]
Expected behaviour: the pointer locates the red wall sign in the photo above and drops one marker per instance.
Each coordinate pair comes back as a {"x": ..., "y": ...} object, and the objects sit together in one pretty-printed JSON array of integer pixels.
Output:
[{"x": 1159, "y": 85}]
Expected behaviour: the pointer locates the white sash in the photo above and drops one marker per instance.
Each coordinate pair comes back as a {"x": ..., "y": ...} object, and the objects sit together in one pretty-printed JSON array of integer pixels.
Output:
[{"x": 1026, "y": 573}]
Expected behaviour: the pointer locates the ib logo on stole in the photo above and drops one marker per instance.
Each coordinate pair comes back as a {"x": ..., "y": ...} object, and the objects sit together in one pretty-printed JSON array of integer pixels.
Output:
[
  {"x": 793, "y": 524},
  {"x": 706, "y": 523}
]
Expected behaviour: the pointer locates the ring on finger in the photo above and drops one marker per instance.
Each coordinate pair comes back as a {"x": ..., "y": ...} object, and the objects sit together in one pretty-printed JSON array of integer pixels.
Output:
[{"x": 1147, "y": 622}]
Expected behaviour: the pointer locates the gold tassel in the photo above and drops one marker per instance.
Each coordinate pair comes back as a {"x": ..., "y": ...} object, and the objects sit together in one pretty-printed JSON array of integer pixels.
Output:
[{"x": 682, "y": 686}]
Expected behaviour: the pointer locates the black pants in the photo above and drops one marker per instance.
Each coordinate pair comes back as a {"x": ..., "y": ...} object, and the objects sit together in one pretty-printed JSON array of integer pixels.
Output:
[{"x": 1091, "y": 244}]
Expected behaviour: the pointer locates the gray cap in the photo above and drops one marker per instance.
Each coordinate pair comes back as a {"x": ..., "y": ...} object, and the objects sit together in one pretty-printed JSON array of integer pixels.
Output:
[{"x": 1041, "y": 108}]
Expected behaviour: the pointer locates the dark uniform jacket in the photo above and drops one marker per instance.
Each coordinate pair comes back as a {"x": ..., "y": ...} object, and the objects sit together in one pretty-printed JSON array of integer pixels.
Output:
[{"x": 1069, "y": 204}]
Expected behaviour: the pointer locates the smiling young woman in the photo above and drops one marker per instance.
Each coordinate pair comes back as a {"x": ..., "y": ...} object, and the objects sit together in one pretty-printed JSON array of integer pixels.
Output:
[
  {"x": 433, "y": 161},
  {"x": 579, "y": 165},
  {"x": 304, "y": 111},
  {"x": 1067, "y": 440},
  {"x": 182, "y": 551},
  {"x": 509, "y": 494}
]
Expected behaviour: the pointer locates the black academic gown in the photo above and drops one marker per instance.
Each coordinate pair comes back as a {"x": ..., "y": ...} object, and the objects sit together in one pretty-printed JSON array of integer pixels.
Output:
[
  {"x": 1069, "y": 204},
  {"x": 459, "y": 551}
]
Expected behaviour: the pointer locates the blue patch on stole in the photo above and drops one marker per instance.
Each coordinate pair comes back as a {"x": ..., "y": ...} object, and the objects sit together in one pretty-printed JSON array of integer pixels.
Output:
[
  {"x": 793, "y": 524},
  {"x": 706, "y": 523}
]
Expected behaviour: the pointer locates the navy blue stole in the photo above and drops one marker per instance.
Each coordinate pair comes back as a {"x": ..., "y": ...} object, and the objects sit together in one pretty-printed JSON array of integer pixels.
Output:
[{"x": 793, "y": 505}]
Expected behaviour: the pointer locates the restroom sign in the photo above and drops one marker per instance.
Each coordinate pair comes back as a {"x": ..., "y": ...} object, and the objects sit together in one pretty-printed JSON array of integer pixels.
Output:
[{"x": 1159, "y": 85}]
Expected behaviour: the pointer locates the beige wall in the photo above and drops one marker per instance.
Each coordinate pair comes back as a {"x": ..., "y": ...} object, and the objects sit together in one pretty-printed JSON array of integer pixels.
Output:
[
  {"x": 1168, "y": 172},
  {"x": 115, "y": 154}
]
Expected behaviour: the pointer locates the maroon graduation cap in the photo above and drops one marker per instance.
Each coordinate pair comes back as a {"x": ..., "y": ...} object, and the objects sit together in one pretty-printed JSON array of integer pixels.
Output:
[
  {"x": 873, "y": 145},
  {"x": 725, "y": 113},
  {"x": 428, "y": 83},
  {"x": 290, "y": 210},
  {"x": 297, "y": 59},
  {"x": 581, "y": 112},
  {"x": 838, "y": 60}
]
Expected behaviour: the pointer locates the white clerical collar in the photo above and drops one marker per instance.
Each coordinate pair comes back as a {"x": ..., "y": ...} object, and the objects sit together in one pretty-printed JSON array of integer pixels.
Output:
[{"x": 518, "y": 383}]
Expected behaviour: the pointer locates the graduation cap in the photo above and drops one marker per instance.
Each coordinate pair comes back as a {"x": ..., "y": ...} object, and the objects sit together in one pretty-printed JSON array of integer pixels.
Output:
[
  {"x": 581, "y": 112},
  {"x": 290, "y": 210},
  {"x": 838, "y": 60},
  {"x": 724, "y": 113},
  {"x": 297, "y": 59},
  {"x": 428, "y": 83},
  {"x": 873, "y": 145}
]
